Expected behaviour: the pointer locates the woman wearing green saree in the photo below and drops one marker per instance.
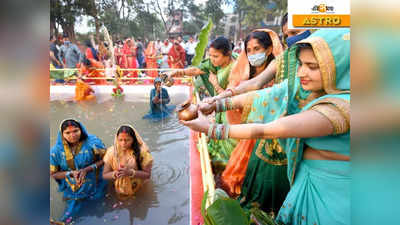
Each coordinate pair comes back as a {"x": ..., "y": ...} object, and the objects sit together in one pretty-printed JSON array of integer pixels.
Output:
[
  {"x": 214, "y": 73},
  {"x": 307, "y": 116}
]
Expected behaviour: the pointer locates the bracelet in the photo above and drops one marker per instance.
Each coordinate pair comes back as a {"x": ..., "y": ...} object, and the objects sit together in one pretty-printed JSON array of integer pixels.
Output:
[
  {"x": 68, "y": 174},
  {"x": 133, "y": 173},
  {"x": 226, "y": 135},
  {"x": 217, "y": 106},
  {"x": 218, "y": 131},
  {"x": 114, "y": 175},
  {"x": 210, "y": 130},
  {"x": 228, "y": 103},
  {"x": 220, "y": 105},
  {"x": 222, "y": 131},
  {"x": 223, "y": 105}
]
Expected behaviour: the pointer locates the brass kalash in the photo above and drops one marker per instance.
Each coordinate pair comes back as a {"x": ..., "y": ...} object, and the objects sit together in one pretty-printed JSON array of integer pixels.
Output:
[{"x": 186, "y": 111}]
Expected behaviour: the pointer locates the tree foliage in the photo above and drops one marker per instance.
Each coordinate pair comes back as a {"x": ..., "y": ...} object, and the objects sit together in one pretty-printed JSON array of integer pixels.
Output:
[{"x": 134, "y": 18}]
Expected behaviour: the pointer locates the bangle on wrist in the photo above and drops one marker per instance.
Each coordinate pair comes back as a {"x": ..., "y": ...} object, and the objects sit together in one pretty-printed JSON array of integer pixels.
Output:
[
  {"x": 114, "y": 175},
  {"x": 226, "y": 135},
  {"x": 229, "y": 103}
]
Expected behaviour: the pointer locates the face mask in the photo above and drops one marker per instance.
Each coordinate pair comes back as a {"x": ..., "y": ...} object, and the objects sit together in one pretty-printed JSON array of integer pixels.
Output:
[
  {"x": 67, "y": 42},
  {"x": 257, "y": 59},
  {"x": 291, "y": 40}
]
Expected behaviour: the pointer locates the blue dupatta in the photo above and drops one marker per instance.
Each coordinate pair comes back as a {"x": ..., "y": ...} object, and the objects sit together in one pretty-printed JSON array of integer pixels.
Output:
[{"x": 91, "y": 150}]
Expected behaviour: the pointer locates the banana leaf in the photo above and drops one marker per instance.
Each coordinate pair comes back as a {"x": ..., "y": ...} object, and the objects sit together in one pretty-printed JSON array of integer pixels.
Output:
[
  {"x": 202, "y": 44},
  {"x": 206, "y": 219},
  {"x": 199, "y": 54},
  {"x": 227, "y": 211}
]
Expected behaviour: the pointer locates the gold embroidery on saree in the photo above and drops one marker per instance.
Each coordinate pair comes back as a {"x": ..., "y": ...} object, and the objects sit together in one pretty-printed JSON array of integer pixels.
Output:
[
  {"x": 326, "y": 63},
  {"x": 53, "y": 168},
  {"x": 334, "y": 116},
  {"x": 247, "y": 107},
  {"x": 343, "y": 107},
  {"x": 294, "y": 161},
  {"x": 269, "y": 150}
]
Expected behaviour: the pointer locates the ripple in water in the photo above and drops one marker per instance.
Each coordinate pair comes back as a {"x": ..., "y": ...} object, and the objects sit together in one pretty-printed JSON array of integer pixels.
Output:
[{"x": 163, "y": 174}]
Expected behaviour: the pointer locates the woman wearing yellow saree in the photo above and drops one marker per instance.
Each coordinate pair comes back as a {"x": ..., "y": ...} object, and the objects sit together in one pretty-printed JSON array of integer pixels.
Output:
[
  {"x": 83, "y": 91},
  {"x": 307, "y": 116},
  {"x": 128, "y": 162}
]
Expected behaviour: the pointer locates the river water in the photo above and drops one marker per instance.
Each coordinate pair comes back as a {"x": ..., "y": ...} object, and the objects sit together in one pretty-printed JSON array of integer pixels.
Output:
[{"x": 164, "y": 199}]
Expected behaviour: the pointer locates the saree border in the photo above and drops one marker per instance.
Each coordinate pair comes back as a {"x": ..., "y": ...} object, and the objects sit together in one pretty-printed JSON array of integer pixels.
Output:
[
  {"x": 326, "y": 63},
  {"x": 259, "y": 154}
]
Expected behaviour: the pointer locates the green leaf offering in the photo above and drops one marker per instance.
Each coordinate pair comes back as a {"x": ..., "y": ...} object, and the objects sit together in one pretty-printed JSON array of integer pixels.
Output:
[
  {"x": 202, "y": 44},
  {"x": 227, "y": 211}
]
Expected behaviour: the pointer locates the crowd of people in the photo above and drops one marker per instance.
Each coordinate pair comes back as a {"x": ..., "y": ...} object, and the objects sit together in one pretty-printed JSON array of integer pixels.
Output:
[
  {"x": 93, "y": 60},
  {"x": 276, "y": 116}
]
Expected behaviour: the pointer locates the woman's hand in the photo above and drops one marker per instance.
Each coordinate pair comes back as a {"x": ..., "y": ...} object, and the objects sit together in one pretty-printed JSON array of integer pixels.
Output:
[
  {"x": 81, "y": 176},
  {"x": 124, "y": 172},
  {"x": 207, "y": 108},
  {"x": 200, "y": 124},
  {"x": 75, "y": 175},
  {"x": 156, "y": 100},
  {"x": 210, "y": 100},
  {"x": 174, "y": 73}
]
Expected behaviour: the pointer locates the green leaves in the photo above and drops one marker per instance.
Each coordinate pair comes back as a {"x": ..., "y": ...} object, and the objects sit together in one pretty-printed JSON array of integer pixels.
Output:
[
  {"x": 227, "y": 211},
  {"x": 202, "y": 45},
  {"x": 261, "y": 217},
  {"x": 223, "y": 211}
]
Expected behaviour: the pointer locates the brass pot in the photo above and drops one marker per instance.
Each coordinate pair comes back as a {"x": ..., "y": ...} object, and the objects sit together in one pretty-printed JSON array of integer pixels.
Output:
[{"x": 187, "y": 111}]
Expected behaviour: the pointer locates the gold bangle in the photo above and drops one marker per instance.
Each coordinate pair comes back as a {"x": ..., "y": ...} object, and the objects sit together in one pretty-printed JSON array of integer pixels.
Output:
[{"x": 114, "y": 175}]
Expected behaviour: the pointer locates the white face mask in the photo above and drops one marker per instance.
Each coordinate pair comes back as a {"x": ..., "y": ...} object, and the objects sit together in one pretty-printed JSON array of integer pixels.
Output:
[{"x": 257, "y": 59}]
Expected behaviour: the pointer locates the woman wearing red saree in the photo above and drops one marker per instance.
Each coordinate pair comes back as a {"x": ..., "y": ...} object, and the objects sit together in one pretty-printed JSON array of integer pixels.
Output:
[
  {"x": 176, "y": 56},
  {"x": 91, "y": 64},
  {"x": 129, "y": 59},
  {"x": 151, "y": 59}
]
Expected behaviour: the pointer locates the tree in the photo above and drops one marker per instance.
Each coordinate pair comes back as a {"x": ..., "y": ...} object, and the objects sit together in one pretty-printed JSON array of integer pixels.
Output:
[{"x": 64, "y": 13}]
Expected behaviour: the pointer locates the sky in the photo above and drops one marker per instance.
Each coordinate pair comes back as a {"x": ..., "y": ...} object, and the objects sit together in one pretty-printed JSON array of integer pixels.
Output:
[{"x": 82, "y": 27}]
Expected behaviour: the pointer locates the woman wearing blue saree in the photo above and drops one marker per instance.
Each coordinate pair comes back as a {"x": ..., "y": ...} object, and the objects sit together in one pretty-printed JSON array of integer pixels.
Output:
[
  {"x": 307, "y": 116},
  {"x": 76, "y": 165},
  {"x": 159, "y": 99}
]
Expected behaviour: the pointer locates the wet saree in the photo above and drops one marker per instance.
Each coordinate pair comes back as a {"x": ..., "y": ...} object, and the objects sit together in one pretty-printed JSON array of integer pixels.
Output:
[
  {"x": 126, "y": 187},
  {"x": 63, "y": 159},
  {"x": 83, "y": 92},
  {"x": 160, "y": 110}
]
